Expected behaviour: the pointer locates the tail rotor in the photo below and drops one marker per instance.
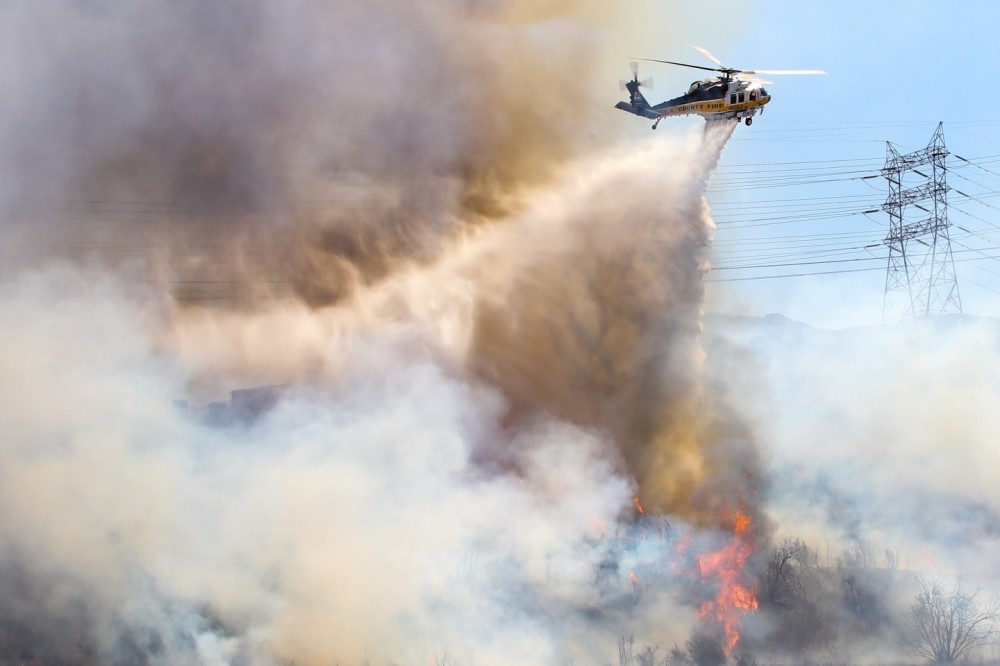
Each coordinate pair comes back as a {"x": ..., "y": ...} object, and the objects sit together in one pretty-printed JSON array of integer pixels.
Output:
[{"x": 645, "y": 83}]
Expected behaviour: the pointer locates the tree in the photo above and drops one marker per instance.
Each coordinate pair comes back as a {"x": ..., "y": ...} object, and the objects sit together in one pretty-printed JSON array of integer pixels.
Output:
[
  {"x": 677, "y": 657},
  {"x": 789, "y": 586},
  {"x": 781, "y": 582},
  {"x": 646, "y": 656},
  {"x": 866, "y": 611},
  {"x": 705, "y": 649},
  {"x": 626, "y": 657},
  {"x": 947, "y": 625},
  {"x": 625, "y": 642}
]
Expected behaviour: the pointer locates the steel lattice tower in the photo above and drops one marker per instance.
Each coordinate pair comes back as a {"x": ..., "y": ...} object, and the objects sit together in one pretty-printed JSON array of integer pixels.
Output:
[{"x": 920, "y": 279}]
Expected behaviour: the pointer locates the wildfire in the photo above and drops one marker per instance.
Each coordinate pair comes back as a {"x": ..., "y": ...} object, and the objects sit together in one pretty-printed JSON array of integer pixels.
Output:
[
  {"x": 725, "y": 568},
  {"x": 638, "y": 506}
]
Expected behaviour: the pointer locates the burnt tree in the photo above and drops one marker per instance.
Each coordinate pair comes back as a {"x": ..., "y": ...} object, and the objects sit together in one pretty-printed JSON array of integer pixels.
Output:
[{"x": 948, "y": 625}]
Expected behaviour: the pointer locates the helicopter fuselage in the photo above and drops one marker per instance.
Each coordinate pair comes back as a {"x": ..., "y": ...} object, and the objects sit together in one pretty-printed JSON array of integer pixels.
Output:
[
  {"x": 737, "y": 94},
  {"x": 713, "y": 99}
]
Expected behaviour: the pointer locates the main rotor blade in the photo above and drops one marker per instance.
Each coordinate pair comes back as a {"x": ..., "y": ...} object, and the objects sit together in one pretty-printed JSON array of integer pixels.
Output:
[
  {"x": 682, "y": 64},
  {"x": 708, "y": 54},
  {"x": 783, "y": 71},
  {"x": 752, "y": 79}
]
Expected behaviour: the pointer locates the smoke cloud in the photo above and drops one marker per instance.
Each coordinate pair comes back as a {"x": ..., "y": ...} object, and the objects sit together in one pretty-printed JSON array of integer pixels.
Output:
[
  {"x": 482, "y": 421},
  {"x": 472, "y": 311},
  {"x": 415, "y": 491},
  {"x": 479, "y": 329}
]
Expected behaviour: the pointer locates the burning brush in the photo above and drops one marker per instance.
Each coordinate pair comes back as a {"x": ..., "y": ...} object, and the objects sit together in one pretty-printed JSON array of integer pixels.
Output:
[{"x": 724, "y": 571}]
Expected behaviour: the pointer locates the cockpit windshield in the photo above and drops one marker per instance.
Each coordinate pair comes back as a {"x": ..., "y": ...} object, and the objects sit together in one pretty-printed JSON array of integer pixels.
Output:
[{"x": 698, "y": 85}]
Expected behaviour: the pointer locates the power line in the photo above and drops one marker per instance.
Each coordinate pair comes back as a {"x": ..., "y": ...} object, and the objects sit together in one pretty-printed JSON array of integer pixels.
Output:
[
  {"x": 849, "y": 270},
  {"x": 792, "y": 275}
]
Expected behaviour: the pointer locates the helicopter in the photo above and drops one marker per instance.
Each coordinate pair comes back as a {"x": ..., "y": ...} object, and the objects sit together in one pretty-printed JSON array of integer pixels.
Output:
[{"x": 738, "y": 93}]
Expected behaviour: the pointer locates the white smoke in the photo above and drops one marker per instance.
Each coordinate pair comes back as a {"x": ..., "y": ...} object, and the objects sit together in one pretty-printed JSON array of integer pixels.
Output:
[
  {"x": 879, "y": 448},
  {"x": 351, "y": 522},
  {"x": 910, "y": 463}
]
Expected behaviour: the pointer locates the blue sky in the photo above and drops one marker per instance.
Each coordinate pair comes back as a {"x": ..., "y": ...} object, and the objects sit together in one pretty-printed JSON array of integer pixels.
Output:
[{"x": 790, "y": 189}]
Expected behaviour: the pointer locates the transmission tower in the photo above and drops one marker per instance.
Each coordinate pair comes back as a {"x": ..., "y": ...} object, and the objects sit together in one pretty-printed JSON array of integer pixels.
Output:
[{"x": 920, "y": 279}]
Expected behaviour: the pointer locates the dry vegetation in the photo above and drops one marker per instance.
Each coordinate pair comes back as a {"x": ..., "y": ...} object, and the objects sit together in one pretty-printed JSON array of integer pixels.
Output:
[{"x": 858, "y": 607}]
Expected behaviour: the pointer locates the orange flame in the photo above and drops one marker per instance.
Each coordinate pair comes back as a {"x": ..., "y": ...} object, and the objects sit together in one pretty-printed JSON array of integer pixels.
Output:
[
  {"x": 638, "y": 507},
  {"x": 725, "y": 567}
]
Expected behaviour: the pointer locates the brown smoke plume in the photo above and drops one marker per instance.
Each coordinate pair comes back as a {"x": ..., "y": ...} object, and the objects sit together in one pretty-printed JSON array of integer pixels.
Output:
[{"x": 247, "y": 149}]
